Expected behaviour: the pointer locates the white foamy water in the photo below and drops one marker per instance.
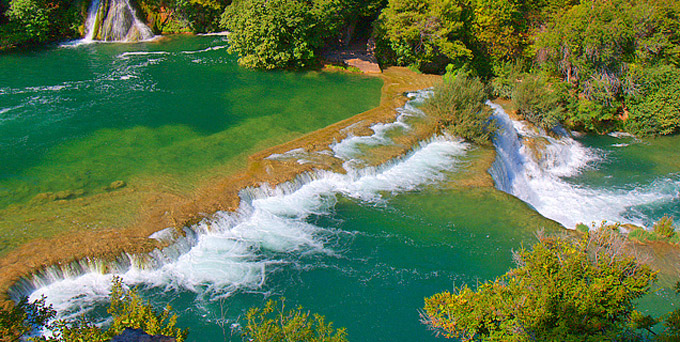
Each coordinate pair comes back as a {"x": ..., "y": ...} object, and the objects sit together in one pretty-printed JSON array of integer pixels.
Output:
[
  {"x": 236, "y": 251},
  {"x": 350, "y": 147},
  {"x": 539, "y": 180}
]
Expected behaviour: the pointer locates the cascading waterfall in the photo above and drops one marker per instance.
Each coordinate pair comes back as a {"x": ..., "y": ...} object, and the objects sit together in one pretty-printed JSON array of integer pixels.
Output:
[
  {"x": 236, "y": 251},
  {"x": 115, "y": 20},
  {"x": 536, "y": 174}
]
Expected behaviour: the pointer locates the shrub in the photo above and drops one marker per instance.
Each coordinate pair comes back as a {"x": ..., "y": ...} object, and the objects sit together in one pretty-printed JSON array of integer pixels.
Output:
[
  {"x": 127, "y": 309},
  {"x": 582, "y": 228},
  {"x": 274, "y": 323},
  {"x": 558, "y": 291},
  {"x": 23, "y": 318},
  {"x": 507, "y": 77},
  {"x": 458, "y": 105},
  {"x": 664, "y": 227},
  {"x": 538, "y": 102}
]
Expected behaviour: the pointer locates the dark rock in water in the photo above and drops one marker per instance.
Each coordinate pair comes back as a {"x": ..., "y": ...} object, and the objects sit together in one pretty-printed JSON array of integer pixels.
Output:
[
  {"x": 68, "y": 194},
  {"x": 115, "y": 185},
  {"x": 44, "y": 197},
  {"x": 61, "y": 195},
  {"x": 138, "y": 335}
]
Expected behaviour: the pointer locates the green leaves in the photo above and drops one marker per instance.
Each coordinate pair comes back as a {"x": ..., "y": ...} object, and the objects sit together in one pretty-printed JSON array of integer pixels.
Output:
[
  {"x": 275, "y": 323},
  {"x": 425, "y": 33},
  {"x": 273, "y": 34},
  {"x": 559, "y": 291},
  {"x": 458, "y": 104}
]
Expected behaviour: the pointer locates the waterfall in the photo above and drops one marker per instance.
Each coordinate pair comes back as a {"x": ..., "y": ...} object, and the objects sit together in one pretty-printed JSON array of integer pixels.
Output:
[
  {"x": 115, "y": 20},
  {"x": 535, "y": 166},
  {"x": 236, "y": 251}
]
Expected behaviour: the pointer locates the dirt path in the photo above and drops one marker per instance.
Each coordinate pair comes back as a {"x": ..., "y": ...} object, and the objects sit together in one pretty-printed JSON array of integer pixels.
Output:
[{"x": 359, "y": 55}]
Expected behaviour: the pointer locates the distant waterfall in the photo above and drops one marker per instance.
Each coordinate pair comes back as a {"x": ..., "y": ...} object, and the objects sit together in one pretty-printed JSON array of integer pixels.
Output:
[
  {"x": 115, "y": 20},
  {"x": 534, "y": 167}
]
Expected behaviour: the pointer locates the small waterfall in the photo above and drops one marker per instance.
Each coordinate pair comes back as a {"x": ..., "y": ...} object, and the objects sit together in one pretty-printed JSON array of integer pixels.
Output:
[
  {"x": 532, "y": 166},
  {"x": 236, "y": 251},
  {"x": 115, "y": 21}
]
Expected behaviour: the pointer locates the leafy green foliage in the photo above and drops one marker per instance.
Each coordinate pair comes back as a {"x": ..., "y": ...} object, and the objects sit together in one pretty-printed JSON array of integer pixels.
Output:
[
  {"x": 558, "y": 291},
  {"x": 274, "y": 323},
  {"x": 426, "y": 33},
  {"x": 655, "y": 108},
  {"x": 40, "y": 21},
  {"x": 507, "y": 76},
  {"x": 32, "y": 17},
  {"x": 538, "y": 102},
  {"x": 662, "y": 230},
  {"x": 127, "y": 309},
  {"x": 598, "y": 48},
  {"x": 458, "y": 104},
  {"x": 272, "y": 34},
  {"x": 130, "y": 311},
  {"x": 664, "y": 227},
  {"x": 22, "y": 318},
  {"x": 496, "y": 27}
]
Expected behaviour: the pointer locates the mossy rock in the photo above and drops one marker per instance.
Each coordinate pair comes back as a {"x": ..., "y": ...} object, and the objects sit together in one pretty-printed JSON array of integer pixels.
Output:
[{"x": 115, "y": 185}]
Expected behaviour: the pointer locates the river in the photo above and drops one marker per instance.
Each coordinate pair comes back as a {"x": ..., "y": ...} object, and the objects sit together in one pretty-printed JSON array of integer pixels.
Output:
[{"x": 362, "y": 247}]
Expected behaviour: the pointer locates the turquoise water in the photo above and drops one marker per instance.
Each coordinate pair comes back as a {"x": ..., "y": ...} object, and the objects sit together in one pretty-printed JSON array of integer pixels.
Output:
[
  {"x": 363, "y": 249},
  {"x": 628, "y": 164},
  {"x": 385, "y": 259},
  {"x": 84, "y": 116}
]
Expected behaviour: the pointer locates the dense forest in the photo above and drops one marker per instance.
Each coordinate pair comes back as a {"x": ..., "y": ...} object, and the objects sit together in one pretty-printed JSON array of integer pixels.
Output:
[{"x": 592, "y": 65}]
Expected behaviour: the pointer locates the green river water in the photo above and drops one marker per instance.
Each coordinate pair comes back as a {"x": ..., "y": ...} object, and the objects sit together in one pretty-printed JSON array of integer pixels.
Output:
[{"x": 362, "y": 249}]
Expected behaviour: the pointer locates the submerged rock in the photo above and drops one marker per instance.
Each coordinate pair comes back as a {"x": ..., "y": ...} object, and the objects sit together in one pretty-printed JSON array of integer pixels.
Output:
[
  {"x": 115, "y": 185},
  {"x": 60, "y": 195}
]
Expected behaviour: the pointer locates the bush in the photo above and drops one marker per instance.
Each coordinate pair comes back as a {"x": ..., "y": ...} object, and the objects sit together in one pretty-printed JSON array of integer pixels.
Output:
[
  {"x": 274, "y": 323},
  {"x": 558, "y": 291},
  {"x": 33, "y": 22},
  {"x": 664, "y": 227},
  {"x": 458, "y": 105},
  {"x": 23, "y": 318},
  {"x": 507, "y": 77},
  {"x": 538, "y": 102},
  {"x": 127, "y": 309}
]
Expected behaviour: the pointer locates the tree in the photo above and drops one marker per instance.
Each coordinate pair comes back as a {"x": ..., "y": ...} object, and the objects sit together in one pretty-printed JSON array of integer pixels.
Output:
[
  {"x": 655, "y": 108},
  {"x": 423, "y": 33},
  {"x": 497, "y": 26},
  {"x": 273, "y": 34},
  {"x": 560, "y": 290},
  {"x": 274, "y": 323},
  {"x": 32, "y": 18}
]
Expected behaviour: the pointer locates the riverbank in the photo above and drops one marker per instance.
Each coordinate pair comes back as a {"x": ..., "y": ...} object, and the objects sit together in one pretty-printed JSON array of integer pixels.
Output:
[{"x": 163, "y": 210}]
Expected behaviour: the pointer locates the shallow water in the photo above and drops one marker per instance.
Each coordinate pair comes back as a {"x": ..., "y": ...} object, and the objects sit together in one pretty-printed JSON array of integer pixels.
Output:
[
  {"x": 81, "y": 117},
  {"x": 161, "y": 116},
  {"x": 362, "y": 248}
]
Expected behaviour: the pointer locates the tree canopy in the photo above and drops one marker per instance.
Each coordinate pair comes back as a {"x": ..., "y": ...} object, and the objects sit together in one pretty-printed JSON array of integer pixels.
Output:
[{"x": 558, "y": 291}]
